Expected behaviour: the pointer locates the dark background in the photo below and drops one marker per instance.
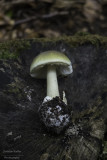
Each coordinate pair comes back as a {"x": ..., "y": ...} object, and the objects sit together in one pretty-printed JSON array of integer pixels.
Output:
[{"x": 51, "y": 18}]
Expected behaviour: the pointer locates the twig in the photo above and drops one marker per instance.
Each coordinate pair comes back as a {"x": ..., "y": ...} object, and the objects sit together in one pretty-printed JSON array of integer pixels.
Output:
[{"x": 46, "y": 16}]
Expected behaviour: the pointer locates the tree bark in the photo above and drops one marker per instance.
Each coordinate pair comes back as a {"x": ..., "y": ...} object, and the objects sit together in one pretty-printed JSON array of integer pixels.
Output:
[{"x": 22, "y": 133}]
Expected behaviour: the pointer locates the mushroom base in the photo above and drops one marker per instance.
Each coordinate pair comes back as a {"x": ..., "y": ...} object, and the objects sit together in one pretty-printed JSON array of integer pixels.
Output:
[{"x": 55, "y": 115}]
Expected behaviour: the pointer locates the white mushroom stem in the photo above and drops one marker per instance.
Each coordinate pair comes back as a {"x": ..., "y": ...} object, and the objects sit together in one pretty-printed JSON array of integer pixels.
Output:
[{"x": 52, "y": 83}]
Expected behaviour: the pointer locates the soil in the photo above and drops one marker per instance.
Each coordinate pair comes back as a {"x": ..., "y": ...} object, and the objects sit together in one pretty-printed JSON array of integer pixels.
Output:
[{"x": 55, "y": 115}]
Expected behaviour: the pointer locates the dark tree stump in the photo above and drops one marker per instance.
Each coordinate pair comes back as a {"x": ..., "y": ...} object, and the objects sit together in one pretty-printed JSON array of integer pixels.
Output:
[{"x": 22, "y": 134}]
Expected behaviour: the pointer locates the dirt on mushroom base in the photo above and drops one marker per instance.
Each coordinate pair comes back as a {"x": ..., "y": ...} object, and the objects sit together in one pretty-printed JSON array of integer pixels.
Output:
[{"x": 55, "y": 115}]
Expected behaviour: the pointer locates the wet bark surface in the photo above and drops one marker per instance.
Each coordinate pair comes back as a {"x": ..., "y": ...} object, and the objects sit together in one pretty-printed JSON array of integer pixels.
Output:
[{"x": 22, "y": 133}]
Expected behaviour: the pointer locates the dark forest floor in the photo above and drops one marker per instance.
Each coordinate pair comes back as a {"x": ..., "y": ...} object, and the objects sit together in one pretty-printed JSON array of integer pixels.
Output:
[{"x": 49, "y": 18}]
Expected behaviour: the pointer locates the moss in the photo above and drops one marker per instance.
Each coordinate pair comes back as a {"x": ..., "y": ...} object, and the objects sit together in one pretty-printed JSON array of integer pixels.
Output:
[
  {"x": 82, "y": 33},
  {"x": 15, "y": 88},
  {"x": 93, "y": 111},
  {"x": 103, "y": 155},
  {"x": 105, "y": 148},
  {"x": 76, "y": 40},
  {"x": 12, "y": 49}
]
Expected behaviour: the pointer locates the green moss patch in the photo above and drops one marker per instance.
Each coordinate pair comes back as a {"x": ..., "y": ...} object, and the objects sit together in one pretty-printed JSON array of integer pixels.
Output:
[
  {"x": 11, "y": 49},
  {"x": 76, "y": 40}
]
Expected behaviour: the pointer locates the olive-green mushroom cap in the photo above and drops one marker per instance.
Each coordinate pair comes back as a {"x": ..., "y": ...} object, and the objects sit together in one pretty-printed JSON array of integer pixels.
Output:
[{"x": 38, "y": 68}]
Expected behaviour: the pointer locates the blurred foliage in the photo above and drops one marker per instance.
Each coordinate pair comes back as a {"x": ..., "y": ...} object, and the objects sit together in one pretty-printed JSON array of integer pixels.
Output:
[{"x": 51, "y": 18}]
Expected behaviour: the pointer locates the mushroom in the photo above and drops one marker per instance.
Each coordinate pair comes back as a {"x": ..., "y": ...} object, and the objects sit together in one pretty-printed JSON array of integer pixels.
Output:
[{"x": 50, "y": 65}]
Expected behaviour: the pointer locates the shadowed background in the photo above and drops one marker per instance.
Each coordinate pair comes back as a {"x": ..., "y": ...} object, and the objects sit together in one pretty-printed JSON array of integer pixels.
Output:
[{"x": 51, "y": 18}]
